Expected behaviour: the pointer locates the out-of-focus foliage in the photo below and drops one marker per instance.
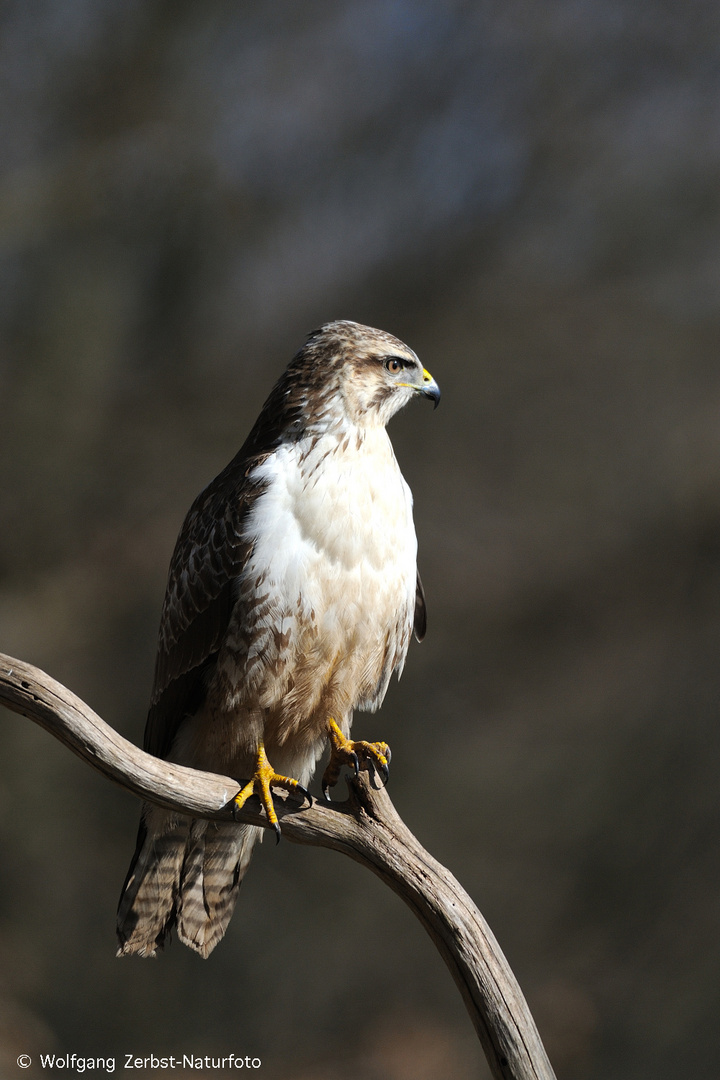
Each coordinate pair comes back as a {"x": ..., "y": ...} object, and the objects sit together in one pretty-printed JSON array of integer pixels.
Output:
[{"x": 528, "y": 193}]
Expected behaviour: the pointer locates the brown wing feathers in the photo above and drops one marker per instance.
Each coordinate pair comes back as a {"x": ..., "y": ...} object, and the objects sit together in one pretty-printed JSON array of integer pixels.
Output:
[
  {"x": 208, "y": 558},
  {"x": 420, "y": 621}
]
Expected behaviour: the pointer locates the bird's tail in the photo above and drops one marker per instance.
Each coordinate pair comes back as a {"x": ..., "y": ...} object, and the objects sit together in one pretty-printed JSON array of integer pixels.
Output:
[{"x": 185, "y": 873}]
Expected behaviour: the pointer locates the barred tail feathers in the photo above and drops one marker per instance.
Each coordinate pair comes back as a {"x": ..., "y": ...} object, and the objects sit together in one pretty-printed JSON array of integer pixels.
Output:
[{"x": 185, "y": 873}]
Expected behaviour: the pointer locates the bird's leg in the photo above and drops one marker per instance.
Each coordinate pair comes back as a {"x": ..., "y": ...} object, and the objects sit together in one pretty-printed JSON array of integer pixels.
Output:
[
  {"x": 346, "y": 752},
  {"x": 262, "y": 780}
]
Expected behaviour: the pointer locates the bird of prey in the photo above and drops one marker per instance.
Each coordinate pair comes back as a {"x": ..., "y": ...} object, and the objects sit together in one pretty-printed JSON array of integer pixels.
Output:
[{"x": 292, "y": 595}]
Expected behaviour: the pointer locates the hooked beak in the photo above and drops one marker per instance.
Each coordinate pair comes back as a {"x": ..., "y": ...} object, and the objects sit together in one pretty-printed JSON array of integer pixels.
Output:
[{"x": 430, "y": 388}]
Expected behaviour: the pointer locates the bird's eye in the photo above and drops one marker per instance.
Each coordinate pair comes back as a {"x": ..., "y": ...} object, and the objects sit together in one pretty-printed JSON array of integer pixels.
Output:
[{"x": 393, "y": 365}]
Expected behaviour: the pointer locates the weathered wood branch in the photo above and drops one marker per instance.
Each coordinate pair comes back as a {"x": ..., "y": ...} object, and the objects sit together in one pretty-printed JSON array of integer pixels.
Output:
[{"x": 366, "y": 827}]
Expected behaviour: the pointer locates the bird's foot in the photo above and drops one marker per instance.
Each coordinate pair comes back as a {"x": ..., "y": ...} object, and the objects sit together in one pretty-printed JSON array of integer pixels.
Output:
[
  {"x": 262, "y": 780},
  {"x": 346, "y": 752}
]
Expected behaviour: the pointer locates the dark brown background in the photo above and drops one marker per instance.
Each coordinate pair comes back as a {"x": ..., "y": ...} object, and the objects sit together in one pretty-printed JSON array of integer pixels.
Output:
[{"x": 528, "y": 194}]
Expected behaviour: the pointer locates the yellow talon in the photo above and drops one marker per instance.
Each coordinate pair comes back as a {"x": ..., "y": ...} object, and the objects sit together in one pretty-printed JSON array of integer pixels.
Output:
[
  {"x": 263, "y": 779},
  {"x": 346, "y": 752}
]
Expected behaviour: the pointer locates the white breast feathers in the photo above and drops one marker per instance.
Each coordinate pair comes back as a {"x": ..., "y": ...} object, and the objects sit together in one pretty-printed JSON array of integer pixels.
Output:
[{"x": 334, "y": 562}]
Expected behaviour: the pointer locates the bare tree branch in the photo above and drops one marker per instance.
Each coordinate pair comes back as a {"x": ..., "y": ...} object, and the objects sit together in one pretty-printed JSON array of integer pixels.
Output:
[{"x": 366, "y": 827}]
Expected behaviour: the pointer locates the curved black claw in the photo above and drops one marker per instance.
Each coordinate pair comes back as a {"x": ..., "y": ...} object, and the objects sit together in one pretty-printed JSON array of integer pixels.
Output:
[
  {"x": 356, "y": 763},
  {"x": 305, "y": 793},
  {"x": 278, "y": 834}
]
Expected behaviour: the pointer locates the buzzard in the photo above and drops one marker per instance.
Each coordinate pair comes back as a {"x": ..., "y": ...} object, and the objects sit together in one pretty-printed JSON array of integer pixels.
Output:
[{"x": 292, "y": 595}]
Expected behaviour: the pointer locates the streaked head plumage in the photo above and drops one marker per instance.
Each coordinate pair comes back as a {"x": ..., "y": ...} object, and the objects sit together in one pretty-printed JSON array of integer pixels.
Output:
[{"x": 368, "y": 373}]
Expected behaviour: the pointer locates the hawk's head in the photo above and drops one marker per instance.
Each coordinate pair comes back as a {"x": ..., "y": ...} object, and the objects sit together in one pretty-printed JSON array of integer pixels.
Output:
[
  {"x": 366, "y": 373},
  {"x": 344, "y": 373}
]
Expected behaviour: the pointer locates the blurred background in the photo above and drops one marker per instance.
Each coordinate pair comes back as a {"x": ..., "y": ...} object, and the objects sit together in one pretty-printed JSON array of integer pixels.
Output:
[{"x": 529, "y": 195}]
